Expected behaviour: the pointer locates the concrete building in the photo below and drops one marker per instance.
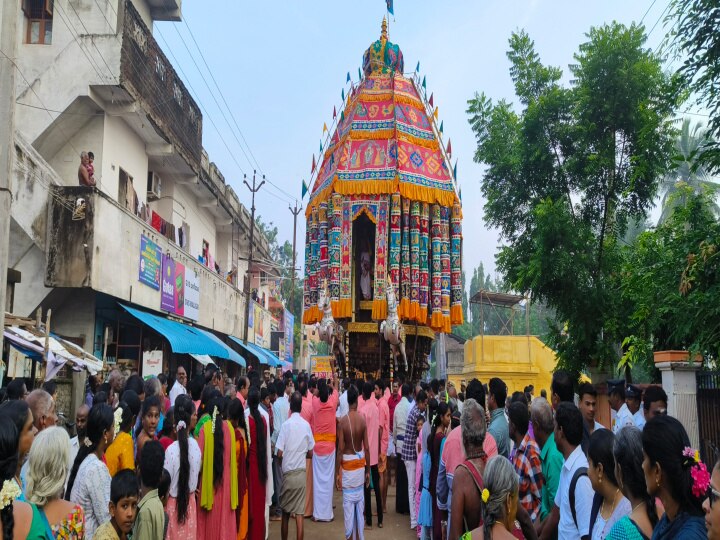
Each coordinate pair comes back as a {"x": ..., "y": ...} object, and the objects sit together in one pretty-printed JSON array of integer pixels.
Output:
[{"x": 93, "y": 78}]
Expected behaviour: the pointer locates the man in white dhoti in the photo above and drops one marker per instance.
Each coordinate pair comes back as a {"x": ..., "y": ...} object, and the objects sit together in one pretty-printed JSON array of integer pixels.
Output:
[
  {"x": 323, "y": 459},
  {"x": 355, "y": 474}
]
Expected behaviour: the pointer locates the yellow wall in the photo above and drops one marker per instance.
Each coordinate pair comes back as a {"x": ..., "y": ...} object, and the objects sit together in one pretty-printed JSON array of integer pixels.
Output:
[{"x": 517, "y": 360}]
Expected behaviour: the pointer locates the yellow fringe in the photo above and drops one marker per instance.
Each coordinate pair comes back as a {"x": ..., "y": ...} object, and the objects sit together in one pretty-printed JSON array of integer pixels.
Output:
[
  {"x": 437, "y": 321},
  {"x": 311, "y": 315},
  {"x": 426, "y": 194},
  {"x": 366, "y": 187},
  {"x": 379, "y": 310},
  {"x": 456, "y": 314},
  {"x": 431, "y": 144},
  {"x": 342, "y": 309},
  {"x": 414, "y": 310},
  {"x": 375, "y": 97},
  {"x": 404, "y": 308},
  {"x": 365, "y": 135},
  {"x": 422, "y": 315},
  {"x": 409, "y": 100}
]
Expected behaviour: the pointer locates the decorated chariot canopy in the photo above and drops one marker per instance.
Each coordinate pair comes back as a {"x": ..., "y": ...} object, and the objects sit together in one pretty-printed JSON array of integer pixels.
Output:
[{"x": 385, "y": 161}]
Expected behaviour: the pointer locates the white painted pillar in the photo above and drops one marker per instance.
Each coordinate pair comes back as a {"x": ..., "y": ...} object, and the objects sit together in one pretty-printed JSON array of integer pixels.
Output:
[{"x": 678, "y": 380}]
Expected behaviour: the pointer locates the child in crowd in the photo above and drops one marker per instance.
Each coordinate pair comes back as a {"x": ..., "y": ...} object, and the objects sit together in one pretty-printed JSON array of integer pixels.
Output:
[
  {"x": 150, "y": 524},
  {"x": 123, "y": 507}
]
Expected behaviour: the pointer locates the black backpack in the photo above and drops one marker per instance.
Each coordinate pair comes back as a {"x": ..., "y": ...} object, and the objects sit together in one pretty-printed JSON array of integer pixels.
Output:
[{"x": 597, "y": 500}]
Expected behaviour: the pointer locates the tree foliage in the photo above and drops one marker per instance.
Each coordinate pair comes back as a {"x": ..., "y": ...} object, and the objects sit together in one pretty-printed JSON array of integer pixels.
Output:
[
  {"x": 281, "y": 255},
  {"x": 568, "y": 171},
  {"x": 687, "y": 169},
  {"x": 670, "y": 280},
  {"x": 695, "y": 38}
]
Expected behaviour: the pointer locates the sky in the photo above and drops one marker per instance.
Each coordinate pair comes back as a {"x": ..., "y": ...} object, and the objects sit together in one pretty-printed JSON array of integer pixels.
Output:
[{"x": 281, "y": 66}]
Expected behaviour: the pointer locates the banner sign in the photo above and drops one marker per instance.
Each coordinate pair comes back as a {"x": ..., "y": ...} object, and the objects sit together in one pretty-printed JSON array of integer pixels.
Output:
[
  {"x": 180, "y": 293},
  {"x": 289, "y": 325},
  {"x": 150, "y": 259},
  {"x": 152, "y": 364},
  {"x": 261, "y": 324},
  {"x": 320, "y": 366}
]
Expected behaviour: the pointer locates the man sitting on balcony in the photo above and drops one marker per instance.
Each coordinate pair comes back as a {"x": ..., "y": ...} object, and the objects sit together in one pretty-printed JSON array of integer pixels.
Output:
[{"x": 84, "y": 171}]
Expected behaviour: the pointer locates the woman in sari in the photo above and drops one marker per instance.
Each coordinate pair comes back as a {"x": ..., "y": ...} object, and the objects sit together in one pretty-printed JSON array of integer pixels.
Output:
[
  {"x": 257, "y": 459},
  {"x": 218, "y": 491},
  {"x": 237, "y": 419}
]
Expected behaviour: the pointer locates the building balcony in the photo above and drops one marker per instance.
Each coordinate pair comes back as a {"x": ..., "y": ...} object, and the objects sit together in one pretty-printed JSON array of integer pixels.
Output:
[
  {"x": 102, "y": 252},
  {"x": 129, "y": 77}
]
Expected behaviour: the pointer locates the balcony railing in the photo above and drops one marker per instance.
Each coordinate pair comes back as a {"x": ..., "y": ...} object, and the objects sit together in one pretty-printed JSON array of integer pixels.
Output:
[
  {"x": 102, "y": 252},
  {"x": 148, "y": 76}
]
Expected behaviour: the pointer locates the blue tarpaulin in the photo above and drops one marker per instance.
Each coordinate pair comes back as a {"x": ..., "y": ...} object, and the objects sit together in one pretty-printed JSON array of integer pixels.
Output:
[
  {"x": 184, "y": 339},
  {"x": 264, "y": 356}
]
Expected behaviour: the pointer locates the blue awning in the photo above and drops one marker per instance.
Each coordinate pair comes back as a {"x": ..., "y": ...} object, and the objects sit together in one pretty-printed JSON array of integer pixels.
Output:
[
  {"x": 232, "y": 353},
  {"x": 263, "y": 355},
  {"x": 183, "y": 338}
]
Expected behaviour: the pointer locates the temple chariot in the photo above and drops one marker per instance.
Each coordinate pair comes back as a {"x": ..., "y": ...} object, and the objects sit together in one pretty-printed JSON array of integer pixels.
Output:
[{"x": 383, "y": 247}]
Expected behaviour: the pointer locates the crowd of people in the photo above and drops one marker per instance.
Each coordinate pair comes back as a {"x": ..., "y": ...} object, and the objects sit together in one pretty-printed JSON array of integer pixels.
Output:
[{"x": 215, "y": 458}]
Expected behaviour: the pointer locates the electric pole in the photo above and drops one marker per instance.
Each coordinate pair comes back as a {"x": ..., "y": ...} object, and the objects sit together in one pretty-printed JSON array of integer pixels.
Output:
[
  {"x": 295, "y": 213},
  {"x": 254, "y": 189},
  {"x": 8, "y": 45}
]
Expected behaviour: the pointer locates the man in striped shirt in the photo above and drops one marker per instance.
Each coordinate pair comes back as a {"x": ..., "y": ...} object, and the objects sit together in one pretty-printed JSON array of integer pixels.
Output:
[{"x": 409, "y": 449}]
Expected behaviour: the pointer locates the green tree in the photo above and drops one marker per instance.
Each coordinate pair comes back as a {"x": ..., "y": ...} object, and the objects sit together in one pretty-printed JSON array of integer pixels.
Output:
[
  {"x": 688, "y": 169},
  {"x": 281, "y": 256},
  {"x": 566, "y": 173},
  {"x": 695, "y": 39},
  {"x": 670, "y": 279}
]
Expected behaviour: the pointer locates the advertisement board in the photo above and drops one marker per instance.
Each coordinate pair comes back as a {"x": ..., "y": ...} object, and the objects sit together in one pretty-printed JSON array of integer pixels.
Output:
[
  {"x": 180, "y": 291},
  {"x": 321, "y": 367},
  {"x": 261, "y": 324},
  {"x": 289, "y": 325},
  {"x": 152, "y": 364},
  {"x": 150, "y": 261}
]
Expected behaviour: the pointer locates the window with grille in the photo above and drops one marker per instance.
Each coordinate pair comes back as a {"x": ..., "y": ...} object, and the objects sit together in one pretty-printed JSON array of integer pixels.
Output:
[{"x": 39, "y": 19}]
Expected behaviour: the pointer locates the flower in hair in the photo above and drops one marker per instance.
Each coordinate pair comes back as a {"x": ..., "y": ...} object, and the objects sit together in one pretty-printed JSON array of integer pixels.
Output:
[
  {"x": 698, "y": 472},
  {"x": 181, "y": 425},
  {"x": 214, "y": 416},
  {"x": 485, "y": 495},
  {"x": 701, "y": 480},
  {"x": 87, "y": 442},
  {"x": 118, "y": 420},
  {"x": 10, "y": 492}
]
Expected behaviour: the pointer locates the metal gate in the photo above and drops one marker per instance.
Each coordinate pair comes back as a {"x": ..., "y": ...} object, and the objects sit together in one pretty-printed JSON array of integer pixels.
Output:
[{"x": 708, "y": 403}]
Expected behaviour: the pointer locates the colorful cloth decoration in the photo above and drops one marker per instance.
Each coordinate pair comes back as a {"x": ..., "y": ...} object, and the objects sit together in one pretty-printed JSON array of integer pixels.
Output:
[
  {"x": 405, "y": 286},
  {"x": 456, "y": 313},
  {"x": 414, "y": 260},
  {"x": 424, "y": 264},
  {"x": 445, "y": 264},
  {"x": 384, "y": 159}
]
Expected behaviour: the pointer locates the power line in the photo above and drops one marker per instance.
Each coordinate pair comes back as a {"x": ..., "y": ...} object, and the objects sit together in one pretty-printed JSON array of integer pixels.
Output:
[
  {"x": 648, "y": 11},
  {"x": 220, "y": 109}
]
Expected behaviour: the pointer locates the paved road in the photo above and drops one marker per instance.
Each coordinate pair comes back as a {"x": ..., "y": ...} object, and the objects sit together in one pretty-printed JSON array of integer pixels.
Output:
[{"x": 395, "y": 527}]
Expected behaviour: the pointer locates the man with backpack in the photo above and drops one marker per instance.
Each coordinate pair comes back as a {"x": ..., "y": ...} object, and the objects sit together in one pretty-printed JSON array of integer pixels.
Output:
[{"x": 574, "y": 496}]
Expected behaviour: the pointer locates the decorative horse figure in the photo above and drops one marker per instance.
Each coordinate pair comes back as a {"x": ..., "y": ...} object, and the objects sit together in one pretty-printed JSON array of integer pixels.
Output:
[
  {"x": 328, "y": 330},
  {"x": 391, "y": 329}
]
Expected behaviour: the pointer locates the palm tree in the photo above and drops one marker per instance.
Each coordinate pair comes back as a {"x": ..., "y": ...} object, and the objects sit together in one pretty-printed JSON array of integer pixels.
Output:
[{"x": 688, "y": 170}]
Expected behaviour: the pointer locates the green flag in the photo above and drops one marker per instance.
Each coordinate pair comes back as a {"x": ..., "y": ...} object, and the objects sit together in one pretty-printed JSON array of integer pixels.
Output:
[
  {"x": 342, "y": 93},
  {"x": 424, "y": 84},
  {"x": 441, "y": 126},
  {"x": 359, "y": 74},
  {"x": 304, "y": 189}
]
